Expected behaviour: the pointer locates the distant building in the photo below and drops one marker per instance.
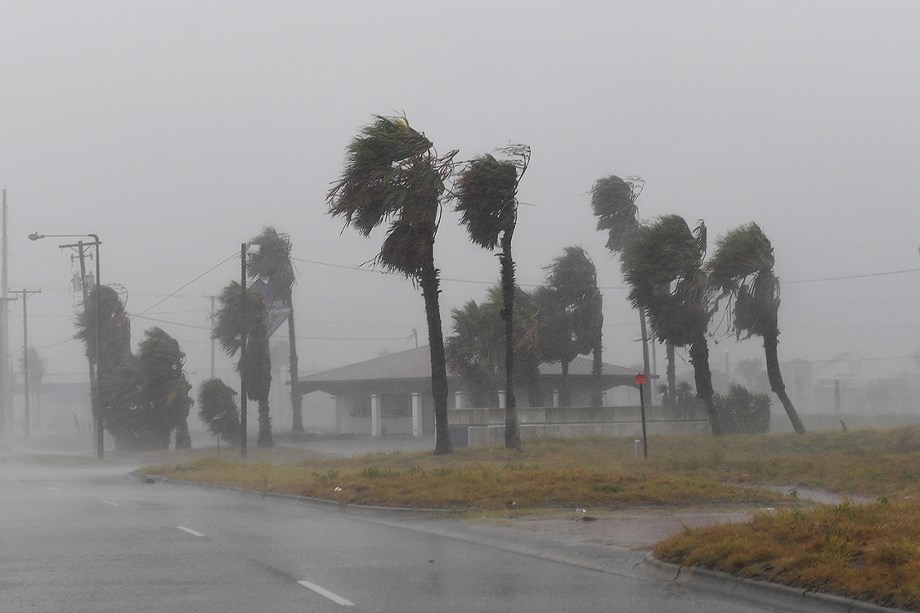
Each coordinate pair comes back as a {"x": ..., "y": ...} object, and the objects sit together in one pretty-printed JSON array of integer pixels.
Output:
[{"x": 400, "y": 384}]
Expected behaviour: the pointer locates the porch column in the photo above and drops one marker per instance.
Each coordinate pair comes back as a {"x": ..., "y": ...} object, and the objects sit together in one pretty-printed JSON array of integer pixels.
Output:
[
  {"x": 458, "y": 400},
  {"x": 375, "y": 414},
  {"x": 501, "y": 399},
  {"x": 416, "y": 415},
  {"x": 555, "y": 399}
]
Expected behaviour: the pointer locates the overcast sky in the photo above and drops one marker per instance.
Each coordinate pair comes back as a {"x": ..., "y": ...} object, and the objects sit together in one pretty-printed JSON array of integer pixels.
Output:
[{"x": 177, "y": 130}]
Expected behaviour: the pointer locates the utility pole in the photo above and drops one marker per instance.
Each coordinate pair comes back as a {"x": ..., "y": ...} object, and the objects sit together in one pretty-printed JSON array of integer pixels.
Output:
[
  {"x": 25, "y": 354},
  {"x": 212, "y": 342},
  {"x": 243, "y": 425},
  {"x": 5, "y": 394}
]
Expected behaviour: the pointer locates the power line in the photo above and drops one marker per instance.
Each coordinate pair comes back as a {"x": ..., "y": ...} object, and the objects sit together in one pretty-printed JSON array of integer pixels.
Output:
[{"x": 168, "y": 296}]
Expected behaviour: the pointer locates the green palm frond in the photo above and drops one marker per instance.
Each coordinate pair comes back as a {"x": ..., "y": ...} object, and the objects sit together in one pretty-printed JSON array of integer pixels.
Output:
[
  {"x": 613, "y": 201},
  {"x": 486, "y": 198},
  {"x": 272, "y": 264}
]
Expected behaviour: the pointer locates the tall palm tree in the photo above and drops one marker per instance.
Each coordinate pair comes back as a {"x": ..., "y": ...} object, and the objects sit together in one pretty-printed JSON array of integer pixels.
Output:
[
  {"x": 256, "y": 369},
  {"x": 272, "y": 264},
  {"x": 393, "y": 174},
  {"x": 573, "y": 308},
  {"x": 473, "y": 353},
  {"x": 613, "y": 201},
  {"x": 663, "y": 266},
  {"x": 486, "y": 198},
  {"x": 742, "y": 270}
]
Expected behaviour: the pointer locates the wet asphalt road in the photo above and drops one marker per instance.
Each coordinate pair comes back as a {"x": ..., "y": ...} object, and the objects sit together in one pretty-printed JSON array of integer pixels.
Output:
[{"x": 93, "y": 539}]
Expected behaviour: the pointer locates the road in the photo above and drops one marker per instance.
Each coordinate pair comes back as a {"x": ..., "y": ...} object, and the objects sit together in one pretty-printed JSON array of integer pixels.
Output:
[{"x": 89, "y": 538}]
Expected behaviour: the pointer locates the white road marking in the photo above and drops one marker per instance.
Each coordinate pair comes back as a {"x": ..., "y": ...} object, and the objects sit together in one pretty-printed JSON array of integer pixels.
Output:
[
  {"x": 189, "y": 531},
  {"x": 324, "y": 592},
  {"x": 111, "y": 504}
]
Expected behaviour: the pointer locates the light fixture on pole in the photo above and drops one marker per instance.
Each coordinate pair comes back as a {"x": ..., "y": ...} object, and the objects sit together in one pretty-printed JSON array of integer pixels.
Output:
[{"x": 95, "y": 364}]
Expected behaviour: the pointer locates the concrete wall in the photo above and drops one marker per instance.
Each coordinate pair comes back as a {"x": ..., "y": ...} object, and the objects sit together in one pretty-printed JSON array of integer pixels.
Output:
[{"x": 480, "y": 427}]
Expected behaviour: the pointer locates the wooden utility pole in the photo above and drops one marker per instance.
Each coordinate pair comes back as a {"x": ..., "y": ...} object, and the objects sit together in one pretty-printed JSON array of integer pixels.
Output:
[{"x": 25, "y": 354}]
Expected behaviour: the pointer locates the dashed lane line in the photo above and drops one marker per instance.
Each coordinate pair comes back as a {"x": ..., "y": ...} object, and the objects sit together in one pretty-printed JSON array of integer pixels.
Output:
[
  {"x": 110, "y": 503},
  {"x": 189, "y": 531},
  {"x": 327, "y": 594}
]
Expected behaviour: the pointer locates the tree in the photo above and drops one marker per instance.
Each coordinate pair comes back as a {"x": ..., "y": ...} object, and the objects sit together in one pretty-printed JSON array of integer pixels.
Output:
[
  {"x": 742, "y": 270},
  {"x": 163, "y": 399},
  {"x": 217, "y": 409},
  {"x": 475, "y": 350},
  {"x": 36, "y": 376},
  {"x": 571, "y": 316},
  {"x": 663, "y": 266},
  {"x": 255, "y": 369},
  {"x": 116, "y": 366},
  {"x": 272, "y": 264},
  {"x": 749, "y": 370},
  {"x": 393, "y": 174},
  {"x": 486, "y": 198},
  {"x": 613, "y": 201}
]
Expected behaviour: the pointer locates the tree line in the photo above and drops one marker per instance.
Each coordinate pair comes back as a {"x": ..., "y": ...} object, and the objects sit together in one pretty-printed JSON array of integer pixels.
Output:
[{"x": 394, "y": 175}]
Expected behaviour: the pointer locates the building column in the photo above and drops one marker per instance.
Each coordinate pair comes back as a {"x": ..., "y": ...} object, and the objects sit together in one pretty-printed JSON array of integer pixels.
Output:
[
  {"x": 555, "y": 399},
  {"x": 416, "y": 415},
  {"x": 458, "y": 399},
  {"x": 501, "y": 399},
  {"x": 375, "y": 415}
]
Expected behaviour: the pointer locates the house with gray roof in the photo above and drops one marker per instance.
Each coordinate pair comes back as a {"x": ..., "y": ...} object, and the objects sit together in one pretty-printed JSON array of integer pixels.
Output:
[{"x": 391, "y": 394}]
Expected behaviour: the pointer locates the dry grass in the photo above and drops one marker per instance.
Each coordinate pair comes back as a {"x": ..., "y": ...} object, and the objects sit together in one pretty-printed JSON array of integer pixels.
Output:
[{"x": 870, "y": 552}]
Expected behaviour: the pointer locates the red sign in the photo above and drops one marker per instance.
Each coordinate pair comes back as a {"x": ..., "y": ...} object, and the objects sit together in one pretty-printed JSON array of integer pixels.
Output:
[{"x": 640, "y": 379}]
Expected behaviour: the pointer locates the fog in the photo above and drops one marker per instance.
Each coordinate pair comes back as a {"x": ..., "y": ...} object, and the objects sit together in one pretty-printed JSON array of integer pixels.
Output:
[{"x": 175, "y": 131}]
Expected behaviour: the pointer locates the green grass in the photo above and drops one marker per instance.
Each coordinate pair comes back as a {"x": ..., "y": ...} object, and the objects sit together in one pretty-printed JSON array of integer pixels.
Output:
[{"x": 870, "y": 552}]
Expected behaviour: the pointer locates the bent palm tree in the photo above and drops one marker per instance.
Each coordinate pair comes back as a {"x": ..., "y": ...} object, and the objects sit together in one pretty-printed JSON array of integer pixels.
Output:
[
  {"x": 255, "y": 370},
  {"x": 487, "y": 203},
  {"x": 272, "y": 264},
  {"x": 742, "y": 270},
  {"x": 663, "y": 266},
  {"x": 393, "y": 173}
]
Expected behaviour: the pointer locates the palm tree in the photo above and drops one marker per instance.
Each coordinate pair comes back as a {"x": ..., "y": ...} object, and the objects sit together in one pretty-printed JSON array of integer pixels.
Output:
[
  {"x": 163, "y": 400},
  {"x": 272, "y": 264},
  {"x": 742, "y": 270},
  {"x": 573, "y": 311},
  {"x": 256, "y": 369},
  {"x": 472, "y": 352},
  {"x": 393, "y": 174},
  {"x": 663, "y": 266},
  {"x": 217, "y": 409},
  {"x": 486, "y": 193}
]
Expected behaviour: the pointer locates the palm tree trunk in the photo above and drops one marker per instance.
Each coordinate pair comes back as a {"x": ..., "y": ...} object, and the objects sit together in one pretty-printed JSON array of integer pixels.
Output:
[
  {"x": 183, "y": 438},
  {"x": 564, "y": 386},
  {"x": 428, "y": 280},
  {"x": 699, "y": 357},
  {"x": 598, "y": 365},
  {"x": 265, "y": 425},
  {"x": 512, "y": 432},
  {"x": 296, "y": 396},
  {"x": 672, "y": 372},
  {"x": 770, "y": 343}
]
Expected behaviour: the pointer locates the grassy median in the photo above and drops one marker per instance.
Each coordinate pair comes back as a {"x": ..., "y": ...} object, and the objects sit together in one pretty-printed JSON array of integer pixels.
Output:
[{"x": 869, "y": 551}]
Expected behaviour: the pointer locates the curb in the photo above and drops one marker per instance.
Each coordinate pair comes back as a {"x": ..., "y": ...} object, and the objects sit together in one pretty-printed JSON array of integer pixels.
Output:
[{"x": 762, "y": 592}]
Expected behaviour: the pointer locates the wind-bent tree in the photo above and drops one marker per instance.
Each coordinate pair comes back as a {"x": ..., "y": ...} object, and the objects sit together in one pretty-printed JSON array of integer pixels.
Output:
[
  {"x": 255, "y": 370},
  {"x": 36, "y": 376},
  {"x": 394, "y": 174},
  {"x": 217, "y": 409},
  {"x": 475, "y": 350},
  {"x": 486, "y": 198},
  {"x": 742, "y": 270},
  {"x": 663, "y": 266},
  {"x": 571, "y": 315},
  {"x": 613, "y": 201},
  {"x": 163, "y": 399},
  {"x": 116, "y": 366},
  {"x": 272, "y": 264}
]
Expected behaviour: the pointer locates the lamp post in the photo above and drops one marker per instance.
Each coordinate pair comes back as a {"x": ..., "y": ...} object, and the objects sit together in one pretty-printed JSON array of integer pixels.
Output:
[{"x": 94, "y": 374}]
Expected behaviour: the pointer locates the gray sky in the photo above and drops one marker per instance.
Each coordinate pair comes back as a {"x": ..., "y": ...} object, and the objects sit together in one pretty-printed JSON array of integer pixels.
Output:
[{"x": 177, "y": 130}]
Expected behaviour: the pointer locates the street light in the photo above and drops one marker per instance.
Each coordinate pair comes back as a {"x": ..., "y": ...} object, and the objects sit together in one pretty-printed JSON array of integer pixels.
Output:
[{"x": 94, "y": 377}]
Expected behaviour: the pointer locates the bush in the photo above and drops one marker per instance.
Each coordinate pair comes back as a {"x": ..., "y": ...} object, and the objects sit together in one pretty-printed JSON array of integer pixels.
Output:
[{"x": 741, "y": 412}]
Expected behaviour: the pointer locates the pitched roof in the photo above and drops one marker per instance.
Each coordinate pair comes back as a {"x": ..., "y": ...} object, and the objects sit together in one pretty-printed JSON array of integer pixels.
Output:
[{"x": 416, "y": 364}]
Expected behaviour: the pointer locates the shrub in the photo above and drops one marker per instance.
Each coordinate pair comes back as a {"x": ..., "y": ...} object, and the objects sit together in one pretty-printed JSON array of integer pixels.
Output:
[{"x": 741, "y": 412}]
